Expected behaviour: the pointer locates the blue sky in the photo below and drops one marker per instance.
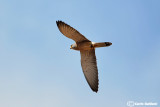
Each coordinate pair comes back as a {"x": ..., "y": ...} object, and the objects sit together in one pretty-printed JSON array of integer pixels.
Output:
[{"x": 37, "y": 68}]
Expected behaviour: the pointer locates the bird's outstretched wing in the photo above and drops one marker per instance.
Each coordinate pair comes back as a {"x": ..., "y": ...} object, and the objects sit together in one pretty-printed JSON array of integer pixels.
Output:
[
  {"x": 89, "y": 66},
  {"x": 70, "y": 32}
]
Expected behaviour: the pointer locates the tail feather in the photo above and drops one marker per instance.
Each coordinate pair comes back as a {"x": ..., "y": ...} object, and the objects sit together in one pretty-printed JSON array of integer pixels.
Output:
[{"x": 102, "y": 44}]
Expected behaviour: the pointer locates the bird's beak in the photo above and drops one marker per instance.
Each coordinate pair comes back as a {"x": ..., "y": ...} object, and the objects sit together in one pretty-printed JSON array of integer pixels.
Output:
[{"x": 71, "y": 47}]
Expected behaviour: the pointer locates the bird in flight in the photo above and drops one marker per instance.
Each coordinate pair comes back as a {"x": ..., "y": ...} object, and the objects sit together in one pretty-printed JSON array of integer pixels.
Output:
[{"x": 87, "y": 51}]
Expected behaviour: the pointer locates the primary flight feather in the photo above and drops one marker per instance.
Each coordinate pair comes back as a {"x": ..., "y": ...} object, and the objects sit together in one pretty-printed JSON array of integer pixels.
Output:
[{"x": 87, "y": 51}]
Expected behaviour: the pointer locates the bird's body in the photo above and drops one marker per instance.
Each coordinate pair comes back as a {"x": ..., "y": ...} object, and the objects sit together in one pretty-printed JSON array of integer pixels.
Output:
[
  {"x": 89, "y": 45},
  {"x": 87, "y": 50},
  {"x": 82, "y": 46}
]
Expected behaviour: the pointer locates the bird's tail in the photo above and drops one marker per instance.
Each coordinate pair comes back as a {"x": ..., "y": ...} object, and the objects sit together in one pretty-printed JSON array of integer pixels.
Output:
[{"x": 102, "y": 44}]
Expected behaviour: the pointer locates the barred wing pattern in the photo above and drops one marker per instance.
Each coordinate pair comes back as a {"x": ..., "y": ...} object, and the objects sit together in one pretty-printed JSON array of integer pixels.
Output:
[
  {"x": 89, "y": 66},
  {"x": 70, "y": 32}
]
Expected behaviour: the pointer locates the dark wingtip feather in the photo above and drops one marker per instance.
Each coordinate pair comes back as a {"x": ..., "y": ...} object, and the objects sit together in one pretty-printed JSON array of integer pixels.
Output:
[
  {"x": 94, "y": 89},
  {"x": 58, "y": 22},
  {"x": 61, "y": 22}
]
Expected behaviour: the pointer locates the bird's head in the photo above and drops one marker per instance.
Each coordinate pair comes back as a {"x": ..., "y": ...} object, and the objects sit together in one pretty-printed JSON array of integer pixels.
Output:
[{"x": 73, "y": 46}]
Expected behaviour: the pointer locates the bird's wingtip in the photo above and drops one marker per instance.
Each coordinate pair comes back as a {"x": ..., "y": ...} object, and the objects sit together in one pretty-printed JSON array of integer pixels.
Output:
[
  {"x": 95, "y": 90},
  {"x": 58, "y": 22}
]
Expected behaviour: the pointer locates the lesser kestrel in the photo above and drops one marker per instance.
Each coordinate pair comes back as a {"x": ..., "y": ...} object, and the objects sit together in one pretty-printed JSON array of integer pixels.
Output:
[{"x": 87, "y": 51}]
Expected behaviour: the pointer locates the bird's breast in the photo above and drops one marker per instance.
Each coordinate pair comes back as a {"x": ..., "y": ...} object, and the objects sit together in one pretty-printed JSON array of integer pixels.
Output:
[{"x": 85, "y": 46}]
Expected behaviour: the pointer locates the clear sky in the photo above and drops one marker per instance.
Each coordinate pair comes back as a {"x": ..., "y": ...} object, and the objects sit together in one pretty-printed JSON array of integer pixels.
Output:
[{"x": 38, "y": 69}]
